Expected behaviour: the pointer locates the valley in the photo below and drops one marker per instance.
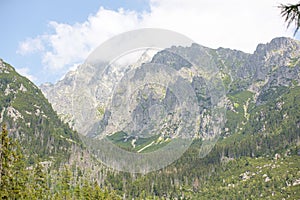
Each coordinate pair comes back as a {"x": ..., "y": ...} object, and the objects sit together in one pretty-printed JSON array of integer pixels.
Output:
[{"x": 256, "y": 155}]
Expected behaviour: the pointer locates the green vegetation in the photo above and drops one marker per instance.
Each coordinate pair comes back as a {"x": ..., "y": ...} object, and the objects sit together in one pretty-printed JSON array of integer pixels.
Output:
[
  {"x": 141, "y": 145},
  {"x": 273, "y": 93},
  {"x": 255, "y": 178},
  {"x": 293, "y": 62},
  {"x": 100, "y": 111},
  {"x": 268, "y": 141},
  {"x": 226, "y": 80},
  {"x": 238, "y": 85},
  {"x": 31, "y": 119},
  {"x": 257, "y": 158},
  {"x": 237, "y": 116},
  {"x": 121, "y": 140},
  {"x": 20, "y": 182}
]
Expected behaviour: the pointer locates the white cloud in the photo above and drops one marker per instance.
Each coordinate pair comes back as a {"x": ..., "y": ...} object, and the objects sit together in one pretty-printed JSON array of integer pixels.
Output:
[
  {"x": 30, "y": 45},
  {"x": 72, "y": 43},
  {"x": 25, "y": 71},
  {"x": 233, "y": 23}
]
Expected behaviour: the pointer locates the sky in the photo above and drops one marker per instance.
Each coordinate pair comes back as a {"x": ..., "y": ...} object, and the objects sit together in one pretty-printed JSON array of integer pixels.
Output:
[{"x": 45, "y": 39}]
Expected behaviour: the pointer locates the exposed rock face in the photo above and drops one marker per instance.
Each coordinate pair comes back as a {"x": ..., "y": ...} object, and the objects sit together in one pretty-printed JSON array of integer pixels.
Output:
[{"x": 81, "y": 98}]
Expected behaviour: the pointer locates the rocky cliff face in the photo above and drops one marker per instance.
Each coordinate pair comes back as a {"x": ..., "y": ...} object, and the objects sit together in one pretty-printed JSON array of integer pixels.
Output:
[{"x": 82, "y": 97}]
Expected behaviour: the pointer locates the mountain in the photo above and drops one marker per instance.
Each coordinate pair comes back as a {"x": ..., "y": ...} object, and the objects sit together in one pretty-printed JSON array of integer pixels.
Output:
[
  {"x": 250, "y": 78},
  {"x": 41, "y": 156},
  {"x": 31, "y": 119},
  {"x": 79, "y": 106},
  {"x": 257, "y": 155},
  {"x": 82, "y": 97}
]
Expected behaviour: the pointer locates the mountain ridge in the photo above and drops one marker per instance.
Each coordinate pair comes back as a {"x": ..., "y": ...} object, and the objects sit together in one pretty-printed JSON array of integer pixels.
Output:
[
  {"x": 239, "y": 71},
  {"x": 30, "y": 118},
  {"x": 257, "y": 155}
]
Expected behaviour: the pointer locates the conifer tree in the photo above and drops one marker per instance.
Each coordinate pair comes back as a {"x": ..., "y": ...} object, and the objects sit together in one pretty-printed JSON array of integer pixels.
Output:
[
  {"x": 12, "y": 168},
  {"x": 40, "y": 182},
  {"x": 5, "y": 164},
  {"x": 66, "y": 183}
]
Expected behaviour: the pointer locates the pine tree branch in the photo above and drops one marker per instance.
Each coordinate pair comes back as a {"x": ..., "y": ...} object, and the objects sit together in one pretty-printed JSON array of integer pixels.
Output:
[{"x": 291, "y": 13}]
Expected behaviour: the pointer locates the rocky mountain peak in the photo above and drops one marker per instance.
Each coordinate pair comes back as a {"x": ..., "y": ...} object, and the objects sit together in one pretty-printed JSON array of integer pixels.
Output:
[
  {"x": 272, "y": 64},
  {"x": 278, "y": 46}
]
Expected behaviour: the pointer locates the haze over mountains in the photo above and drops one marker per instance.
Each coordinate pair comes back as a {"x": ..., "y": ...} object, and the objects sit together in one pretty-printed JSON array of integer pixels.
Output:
[{"x": 256, "y": 156}]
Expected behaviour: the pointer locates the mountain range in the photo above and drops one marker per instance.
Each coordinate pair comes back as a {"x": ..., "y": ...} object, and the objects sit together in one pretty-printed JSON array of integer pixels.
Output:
[
  {"x": 257, "y": 154},
  {"x": 82, "y": 99}
]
